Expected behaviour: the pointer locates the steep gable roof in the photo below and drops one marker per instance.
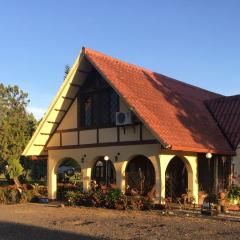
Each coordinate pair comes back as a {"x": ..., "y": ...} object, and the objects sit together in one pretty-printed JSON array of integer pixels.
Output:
[
  {"x": 226, "y": 111},
  {"x": 172, "y": 110}
]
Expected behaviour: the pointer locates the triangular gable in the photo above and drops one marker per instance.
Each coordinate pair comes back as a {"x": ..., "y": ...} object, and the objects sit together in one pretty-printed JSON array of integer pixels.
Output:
[
  {"x": 173, "y": 111},
  {"x": 58, "y": 108}
]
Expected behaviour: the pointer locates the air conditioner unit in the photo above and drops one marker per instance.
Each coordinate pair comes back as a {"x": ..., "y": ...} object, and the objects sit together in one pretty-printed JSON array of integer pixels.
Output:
[{"x": 123, "y": 118}]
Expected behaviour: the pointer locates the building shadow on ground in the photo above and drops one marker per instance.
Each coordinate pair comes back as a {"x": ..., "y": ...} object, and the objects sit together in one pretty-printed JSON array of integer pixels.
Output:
[{"x": 17, "y": 231}]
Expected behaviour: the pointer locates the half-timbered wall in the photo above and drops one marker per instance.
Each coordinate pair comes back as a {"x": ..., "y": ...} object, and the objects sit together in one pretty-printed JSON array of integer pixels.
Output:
[
  {"x": 68, "y": 134},
  {"x": 71, "y": 134}
]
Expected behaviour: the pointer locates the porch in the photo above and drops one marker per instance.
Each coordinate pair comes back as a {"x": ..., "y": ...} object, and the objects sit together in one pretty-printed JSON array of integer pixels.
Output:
[{"x": 145, "y": 170}]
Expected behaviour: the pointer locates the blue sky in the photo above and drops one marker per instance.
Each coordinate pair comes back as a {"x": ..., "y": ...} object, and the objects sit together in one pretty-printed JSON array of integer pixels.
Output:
[{"x": 194, "y": 41}]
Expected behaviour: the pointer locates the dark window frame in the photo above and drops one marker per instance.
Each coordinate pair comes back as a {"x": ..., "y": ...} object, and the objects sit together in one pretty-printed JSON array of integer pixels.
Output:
[{"x": 98, "y": 86}]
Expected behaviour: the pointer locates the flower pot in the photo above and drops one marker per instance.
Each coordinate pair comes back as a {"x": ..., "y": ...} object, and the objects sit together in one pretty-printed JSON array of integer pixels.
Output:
[
  {"x": 218, "y": 208},
  {"x": 223, "y": 208},
  {"x": 222, "y": 195}
]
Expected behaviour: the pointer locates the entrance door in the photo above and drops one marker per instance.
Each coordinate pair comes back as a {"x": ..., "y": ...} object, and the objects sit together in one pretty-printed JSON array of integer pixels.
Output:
[{"x": 176, "y": 179}]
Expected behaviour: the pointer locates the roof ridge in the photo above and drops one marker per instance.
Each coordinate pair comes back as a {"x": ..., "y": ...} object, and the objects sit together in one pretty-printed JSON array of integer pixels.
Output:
[
  {"x": 224, "y": 98},
  {"x": 114, "y": 58},
  {"x": 189, "y": 85},
  {"x": 85, "y": 50}
]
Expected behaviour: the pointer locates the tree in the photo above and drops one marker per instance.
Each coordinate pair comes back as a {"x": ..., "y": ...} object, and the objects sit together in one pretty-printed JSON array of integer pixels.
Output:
[
  {"x": 67, "y": 70},
  {"x": 16, "y": 129}
]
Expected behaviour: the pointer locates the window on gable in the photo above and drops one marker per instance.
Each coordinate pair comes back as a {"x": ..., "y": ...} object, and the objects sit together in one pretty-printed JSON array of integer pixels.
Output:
[{"x": 98, "y": 103}]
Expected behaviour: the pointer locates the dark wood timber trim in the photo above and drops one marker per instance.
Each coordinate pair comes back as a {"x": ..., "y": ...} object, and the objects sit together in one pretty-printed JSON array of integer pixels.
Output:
[
  {"x": 78, "y": 137},
  {"x": 75, "y": 85},
  {"x": 68, "y": 98},
  {"x": 104, "y": 144},
  {"x": 118, "y": 134},
  {"x": 67, "y": 130},
  {"x": 96, "y": 128},
  {"x": 85, "y": 72},
  {"x": 52, "y": 122},
  {"x": 97, "y": 135},
  {"x": 60, "y": 110},
  {"x": 60, "y": 139},
  {"x": 47, "y": 134},
  {"x": 39, "y": 157}
]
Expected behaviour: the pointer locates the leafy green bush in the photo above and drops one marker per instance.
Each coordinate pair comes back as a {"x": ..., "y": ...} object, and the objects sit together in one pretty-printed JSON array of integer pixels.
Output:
[
  {"x": 13, "y": 195},
  {"x": 3, "y": 198},
  {"x": 113, "y": 199},
  {"x": 234, "y": 192}
]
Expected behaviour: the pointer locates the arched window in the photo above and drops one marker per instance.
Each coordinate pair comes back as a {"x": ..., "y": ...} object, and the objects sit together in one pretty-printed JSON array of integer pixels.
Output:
[
  {"x": 103, "y": 172},
  {"x": 99, "y": 169},
  {"x": 140, "y": 175}
]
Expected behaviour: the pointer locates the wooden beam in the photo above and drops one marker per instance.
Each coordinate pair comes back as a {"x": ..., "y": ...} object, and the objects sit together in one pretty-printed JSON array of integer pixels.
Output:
[
  {"x": 75, "y": 85},
  {"x": 60, "y": 110},
  {"x": 39, "y": 145},
  {"x": 68, "y": 98},
  {"x": 53, "y": 122},
  {"x": 105, "y": 144},
  {"x": 82, "y": 71},
  {"x": 48, "y": 134},
  {"x": 40, "y": 157}
]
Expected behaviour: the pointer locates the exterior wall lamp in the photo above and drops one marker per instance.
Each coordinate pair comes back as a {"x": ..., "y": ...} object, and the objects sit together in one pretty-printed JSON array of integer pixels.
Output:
[
  {"x": 208, "y": 155},
  {"x": 83, "y": 158},
  {"x": 116, "y": 157}
]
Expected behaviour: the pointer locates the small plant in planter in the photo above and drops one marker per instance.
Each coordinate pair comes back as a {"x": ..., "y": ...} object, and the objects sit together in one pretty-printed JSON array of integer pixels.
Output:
[{"x": 234, "y": 194}]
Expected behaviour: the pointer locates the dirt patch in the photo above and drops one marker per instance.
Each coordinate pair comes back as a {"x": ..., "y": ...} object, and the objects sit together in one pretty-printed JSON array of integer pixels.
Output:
[{"x": 34, "y": 221}]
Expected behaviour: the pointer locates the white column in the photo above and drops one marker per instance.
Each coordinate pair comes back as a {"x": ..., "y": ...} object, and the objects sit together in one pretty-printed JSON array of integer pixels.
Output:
[
  {"x": 86, "y": 172},
  {"x": 52, "y": 179},
  {"x": 164, "y": 160},
  {"x": 192, "y": 176},
  {"x": 120, "y": 168}
]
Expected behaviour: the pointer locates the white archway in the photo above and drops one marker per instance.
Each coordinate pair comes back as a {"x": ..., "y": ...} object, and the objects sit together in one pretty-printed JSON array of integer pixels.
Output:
[
  {"x": 121, "y": 175},
  {"x": 190, "y": 162},
  {"x": 53, "y": 166}
]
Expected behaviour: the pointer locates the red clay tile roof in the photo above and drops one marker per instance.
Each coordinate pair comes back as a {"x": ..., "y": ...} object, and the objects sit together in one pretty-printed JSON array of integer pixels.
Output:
[
  {"x": 174, "y": 111},
  {"x": 226, "y": 111}
]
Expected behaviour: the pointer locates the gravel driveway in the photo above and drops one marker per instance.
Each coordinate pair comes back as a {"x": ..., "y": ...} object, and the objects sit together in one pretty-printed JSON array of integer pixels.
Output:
[{"x": 35, "y": 222}]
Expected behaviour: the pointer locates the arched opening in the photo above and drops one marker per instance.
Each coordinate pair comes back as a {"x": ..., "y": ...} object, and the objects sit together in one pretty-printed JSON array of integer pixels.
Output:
[
  {"x": 103, "y": 172},
  {"x": 176, "y": 179},
  {"x": 140, "y": 176},
  {"x": 69, "y": 176}
]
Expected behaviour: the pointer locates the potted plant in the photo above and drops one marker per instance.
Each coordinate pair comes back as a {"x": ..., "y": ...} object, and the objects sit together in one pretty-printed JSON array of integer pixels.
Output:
[{"x": 234, "y": 194}]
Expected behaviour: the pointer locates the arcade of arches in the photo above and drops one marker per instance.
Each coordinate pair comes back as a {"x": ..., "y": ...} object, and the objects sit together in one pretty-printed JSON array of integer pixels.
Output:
[{"x": 162, "y": 176}]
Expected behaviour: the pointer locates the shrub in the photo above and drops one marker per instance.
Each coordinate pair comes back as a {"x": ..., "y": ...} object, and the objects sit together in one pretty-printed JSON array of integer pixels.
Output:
[
  {"x": 112, "y": 198},
  {"x": 27, "y": 196},
  {"x": 71, "y": 197},
  {"x": 14, "y": 195},
  {"x": 234, "y": 192},
  {"x": 2, "y": 196}
]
